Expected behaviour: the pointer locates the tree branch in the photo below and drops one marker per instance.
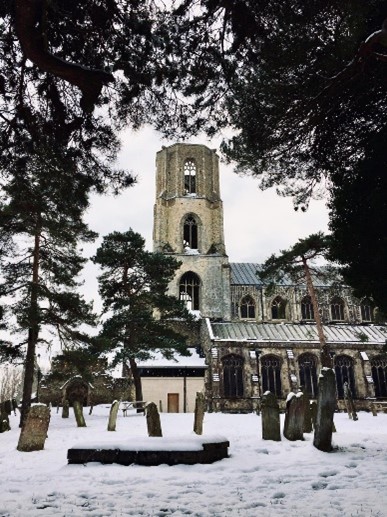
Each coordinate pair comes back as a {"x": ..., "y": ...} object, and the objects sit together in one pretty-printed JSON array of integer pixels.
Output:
[{"x": 32, "y": 40}]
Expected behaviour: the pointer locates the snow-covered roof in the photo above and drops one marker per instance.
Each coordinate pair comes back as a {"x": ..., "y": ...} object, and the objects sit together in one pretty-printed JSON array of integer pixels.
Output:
[
  {"x": 283, "y": 332},
  {"x": 193, "y": 361}
]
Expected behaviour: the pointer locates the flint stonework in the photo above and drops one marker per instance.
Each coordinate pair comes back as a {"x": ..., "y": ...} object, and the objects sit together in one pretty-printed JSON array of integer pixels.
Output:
[
  {"x": 326, "y": 403},
  {"x": 294, "y": 417},
  {"x": 271, "y": 427},
  {"x": 34, "y": 430}
]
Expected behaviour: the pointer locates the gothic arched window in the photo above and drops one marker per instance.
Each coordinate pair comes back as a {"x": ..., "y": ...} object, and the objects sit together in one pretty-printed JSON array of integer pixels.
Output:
[
  {"x": 247, "y": 307},
  {"x": 344, "y": 373},
  {"x": 307, "y": 312},
  {"x": 232, "y": 376},
  {"x": 190, "y": 232},
  {"x": 366, "y": 310},
  {"x": 278, "y": 307},
  {"x": 337, "y": 309},
  {"x": 307, "y": 365},
  {"x": 379, "y": 375},
  {"x": 190, "y": 176},
  {"x": 271, "y": 374},
  {"x": 189, "y": 290}
]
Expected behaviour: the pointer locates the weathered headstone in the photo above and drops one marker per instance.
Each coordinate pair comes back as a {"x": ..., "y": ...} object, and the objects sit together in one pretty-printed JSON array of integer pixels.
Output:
[
  {"x": 271, "y": 427},
  {"x": 34, "y": 430},
  {"x": 200, "y": 407},
  {"x": 153, "y": 420},
  {"x": 78, "y": 412},
  {"x": 326, "y": 403},
  {"x": 294, "y": 417},
  {"x": 66, "y": 409},
  {"x": 349, "y": 404},
  {"x": 113, "y": 416},
  {"x": 373, "y": 409},
  {"x": 308, "y": 426}
]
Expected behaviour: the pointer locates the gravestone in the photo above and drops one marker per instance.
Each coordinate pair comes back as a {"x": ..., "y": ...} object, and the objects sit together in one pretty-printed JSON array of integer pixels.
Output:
[
  {"x": 78, "y": 412},
  {"x": 294, "y": 417},
  {"x": 113, "y": 416},
  {"x": 349, "y": 404},
  {"x": 200, "y": 406},
  {"x": 4, "y": 418},
  {"x": 153, "y": 420},
  {"x": 66, "y": 409},
  {"x": 308, "y": 426},
  {"x": 271, "y": 427},
  {"x": 326, "y": 403},
  {"x": 34, "y": 430},
  {"x": 373, "y": 409}
]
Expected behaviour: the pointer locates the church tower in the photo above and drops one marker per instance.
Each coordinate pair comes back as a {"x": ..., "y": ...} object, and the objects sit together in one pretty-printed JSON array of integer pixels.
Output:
[{"x": 188, "y": 224}]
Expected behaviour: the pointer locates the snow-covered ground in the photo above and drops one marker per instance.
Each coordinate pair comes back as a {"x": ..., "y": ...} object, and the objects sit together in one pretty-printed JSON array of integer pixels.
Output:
[{"x": 260, "y": 478}]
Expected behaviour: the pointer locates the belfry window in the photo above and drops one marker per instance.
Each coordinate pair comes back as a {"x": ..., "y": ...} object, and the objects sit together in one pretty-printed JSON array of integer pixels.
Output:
[
  {"x": 232, "y": 376},
  {"x": 307, "y": 364},
  {"x": 271, "y": 374},
  {"x": 366, "y": 310},
  {"x": 307, "y": 312},
  {"x": 189, "y": 176},
  {"x": 278, "y": 307},
  {"x": 379, "y": 376},
  {"x": 247, "y": 308},
  {"x": 337, "y": 309},
  {"x": 190, "y": 233},
  {"x": 344, "y": 373},
  {"x": 189, "y": 290}
]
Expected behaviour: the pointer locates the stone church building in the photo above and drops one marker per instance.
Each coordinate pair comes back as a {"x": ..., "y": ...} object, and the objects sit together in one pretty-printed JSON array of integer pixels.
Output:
[{"x": 254, "y": 342}]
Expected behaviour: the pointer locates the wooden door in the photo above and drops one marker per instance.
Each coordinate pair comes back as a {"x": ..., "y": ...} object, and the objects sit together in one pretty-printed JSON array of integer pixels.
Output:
[{"x": 173, "y": 402}]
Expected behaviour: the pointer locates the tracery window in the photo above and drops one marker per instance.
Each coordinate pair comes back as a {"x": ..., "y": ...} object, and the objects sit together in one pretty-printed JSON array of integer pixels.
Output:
[
  {"x": 233, "y": 376},
  {"x": 379, "y": 376},
  {"x": 278, "y": 308},
  {"x": 307, "y": 365},
  {"x": 189, "y": 290},
  {"x": 190, "y": 176},
  {"x": 337, "y": 309},
  {"x": 307, "y": 312},
  {"x": 271, "y": 374},
  {"x": 248, "y": 307},
  {"x": 344, "y": 373},
  {"x": 190, "y": 232},
  {"x": 366, "y": 310}
]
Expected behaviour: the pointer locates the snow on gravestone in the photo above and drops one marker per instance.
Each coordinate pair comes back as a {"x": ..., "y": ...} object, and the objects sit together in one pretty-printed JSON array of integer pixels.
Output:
[
  {"x": 34, "y": 431},
  {"x": 294, "y": 417}
]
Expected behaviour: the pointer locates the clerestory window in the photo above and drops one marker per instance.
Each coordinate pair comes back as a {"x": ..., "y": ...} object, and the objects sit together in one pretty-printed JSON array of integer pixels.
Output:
[
  {"x": 307, "y": 312},
  {"x": 248, "y": 308},
  {"x": 278, "y": 308},
  {"x": 366, "y": 310},
  {"x": 337, "y": 309}
]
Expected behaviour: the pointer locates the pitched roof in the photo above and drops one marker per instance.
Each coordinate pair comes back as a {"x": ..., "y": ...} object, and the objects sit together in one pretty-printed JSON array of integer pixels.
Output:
[{"x": 298, "y": 333}]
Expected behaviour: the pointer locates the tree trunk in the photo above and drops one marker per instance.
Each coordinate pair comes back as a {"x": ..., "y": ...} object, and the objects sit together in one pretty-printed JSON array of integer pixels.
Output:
[
  {"x": 33, "y": 331},
  {"x": 136, "y": 378},
  {"x": 326, "y": 359}
]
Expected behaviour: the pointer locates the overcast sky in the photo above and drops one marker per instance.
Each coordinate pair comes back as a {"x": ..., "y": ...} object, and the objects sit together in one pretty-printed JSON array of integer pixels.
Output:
[{"x": 257, "y": 223}]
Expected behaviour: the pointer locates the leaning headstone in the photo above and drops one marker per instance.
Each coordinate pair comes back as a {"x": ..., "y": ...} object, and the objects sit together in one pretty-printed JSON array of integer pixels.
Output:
[
  {"x": 271, "y": 427},
  {"x": 326, "y": 403},
  {"x": 153, "y": 420},
  {"x": 200, "y": 407},
  {"x": 66, "y": 409},
  {"x": 294, "y": 417},
  {"x": 78, "y": 412},
  {"x": 34, "y": 430},
  {"x": 373, "y": 409},
  {"x": 349, "y": 404},
  {"x": 113, "y": 416}
]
